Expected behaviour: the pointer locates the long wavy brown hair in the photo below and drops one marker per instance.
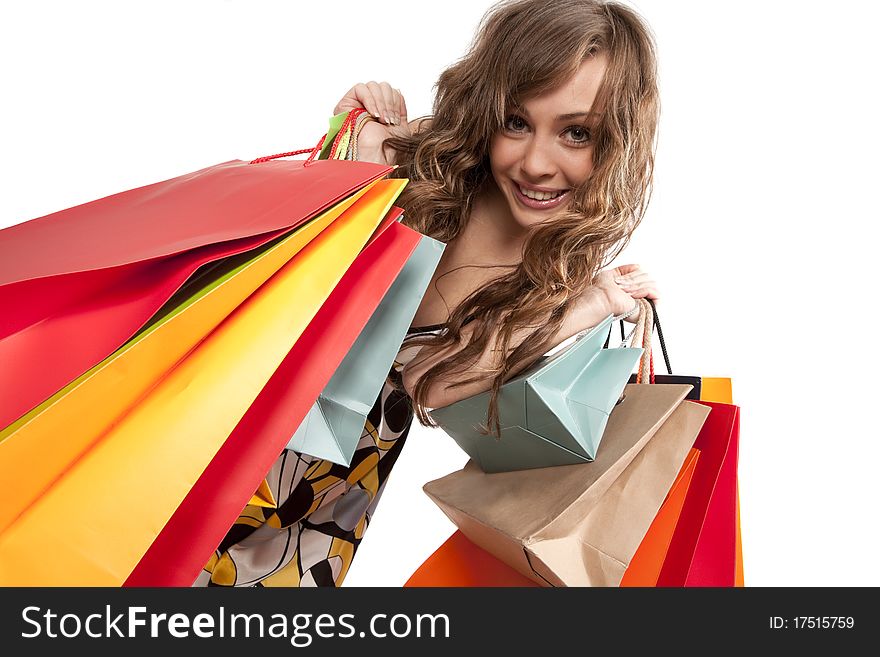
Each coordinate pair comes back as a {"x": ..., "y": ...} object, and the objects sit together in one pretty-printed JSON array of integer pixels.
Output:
[{"x": 523, "y": 48}]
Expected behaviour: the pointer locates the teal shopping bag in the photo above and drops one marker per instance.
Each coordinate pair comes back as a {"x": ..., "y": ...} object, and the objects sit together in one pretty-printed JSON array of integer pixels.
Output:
[
  {"x": 333, "y": 426},
  {"x": 554, "y": 413}
]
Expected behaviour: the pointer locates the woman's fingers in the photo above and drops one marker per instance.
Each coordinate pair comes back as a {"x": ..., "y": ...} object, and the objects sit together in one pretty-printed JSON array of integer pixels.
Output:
[
  {"x": 376, "y": 94},
  {"x": 634, "y": 282},
  {"x": 651, "y": 293},
  {"x": 358, "y": 96},
  {"x": 639, "y": 286},
  {"x": 381, "y": 92},
  {"x": 648, "y": 291},
  {"x": 372, "y": 99},
  {"x": 625, "y": 270},
  {"x": 631, "y": 278},
  {"x": 391, "y": 114},
  {"x": 349, "y": 101},
  {"x": 380, "y": 99}
]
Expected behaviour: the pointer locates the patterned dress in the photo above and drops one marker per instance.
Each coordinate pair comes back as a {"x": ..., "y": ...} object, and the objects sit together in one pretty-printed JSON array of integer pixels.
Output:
[{"x": 323, "y": 508}]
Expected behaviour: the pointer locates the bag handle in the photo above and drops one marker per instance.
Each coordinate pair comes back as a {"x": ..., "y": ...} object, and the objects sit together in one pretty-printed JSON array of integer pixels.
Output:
[
  {"x": 350, "y": 127},
  {"x": 313, "y": 153},
  {"x": 641, "y": 335},
  {"x": 348, "y": 134},
  {"x": 656, "y": 324},
  {"x": 660, "y": 335}
]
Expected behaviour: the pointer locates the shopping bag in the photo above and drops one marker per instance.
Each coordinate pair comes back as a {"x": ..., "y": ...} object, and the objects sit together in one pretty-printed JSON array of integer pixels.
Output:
[
  {"x": 644, "y": 567},
  {"x": 64, "y": 428},
  {"x": 720, "y": 515},
  {"x": 651, "y": 557},
  {"x": 612, "y": 532},
  {"x": 334, "y": 424},
  {"x": 76, "y": 284},
  {"x": 719, "y": 389},
  {"x": 554, "y": 413},
  {"x": 461, "y": 563},
  {"x": 198, "y": 525},
  {"x": 695, "y": 539},
  {"x": 539, "y": 521},
  {"x": 703, "y": 550},
  {"x": 62, "y": 537},
  {"x": 95, "y": 312},
  {"x": 448, "y": 566},
  {"x": 709, "y": 554}
]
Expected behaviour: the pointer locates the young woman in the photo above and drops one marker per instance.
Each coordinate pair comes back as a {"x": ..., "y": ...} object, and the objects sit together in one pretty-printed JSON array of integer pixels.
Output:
[{"x": 534, "y": 168}]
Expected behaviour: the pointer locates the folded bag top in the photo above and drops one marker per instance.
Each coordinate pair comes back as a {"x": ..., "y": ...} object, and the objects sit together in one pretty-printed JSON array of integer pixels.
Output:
[
  {"x": 172, "y": 216},
  {"x": 554, "y": 413}
]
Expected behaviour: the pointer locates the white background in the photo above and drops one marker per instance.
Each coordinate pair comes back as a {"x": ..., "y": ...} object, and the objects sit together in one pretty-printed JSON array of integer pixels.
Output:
[{"x": 760, "y": 233}]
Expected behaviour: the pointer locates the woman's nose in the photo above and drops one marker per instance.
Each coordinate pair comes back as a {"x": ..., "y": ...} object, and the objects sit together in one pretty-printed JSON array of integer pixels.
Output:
[{"x": 537, "y": 160}]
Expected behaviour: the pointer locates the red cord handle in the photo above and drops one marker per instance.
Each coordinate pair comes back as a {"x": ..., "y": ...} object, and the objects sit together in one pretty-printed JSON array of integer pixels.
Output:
[
  {"x": 347, "y": 126},
  {"x": 313, "y": 153}
]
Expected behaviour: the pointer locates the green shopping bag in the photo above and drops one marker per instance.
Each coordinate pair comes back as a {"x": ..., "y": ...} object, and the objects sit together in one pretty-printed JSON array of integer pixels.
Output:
[
  {"x": 554, "y": 413},
  {"x": 334, "y": 424}
]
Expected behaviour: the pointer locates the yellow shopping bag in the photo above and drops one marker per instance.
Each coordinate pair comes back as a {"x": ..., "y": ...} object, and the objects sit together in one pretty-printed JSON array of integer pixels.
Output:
[{"x": 97, "y": 509}]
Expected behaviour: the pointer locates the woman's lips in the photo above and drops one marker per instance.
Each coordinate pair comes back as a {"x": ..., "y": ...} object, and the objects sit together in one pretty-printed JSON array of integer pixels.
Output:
[{"x": 538, "y": 205}]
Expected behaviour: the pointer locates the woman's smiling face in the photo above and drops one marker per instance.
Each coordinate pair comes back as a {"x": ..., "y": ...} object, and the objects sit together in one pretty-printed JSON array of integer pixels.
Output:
[{"x": 545, "y": 148}]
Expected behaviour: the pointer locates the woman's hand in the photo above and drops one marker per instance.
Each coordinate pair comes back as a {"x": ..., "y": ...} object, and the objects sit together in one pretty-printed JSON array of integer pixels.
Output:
[
  {"x": 387, "y": 106},
  {"x": 378, "y": 98},
  {"x": 622, "y": 285}
]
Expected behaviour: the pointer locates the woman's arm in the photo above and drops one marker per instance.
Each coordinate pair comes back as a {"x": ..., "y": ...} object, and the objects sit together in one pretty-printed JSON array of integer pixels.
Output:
[
  {"x": 613, "y": 292},
  {"x": 592, "y": 308}
]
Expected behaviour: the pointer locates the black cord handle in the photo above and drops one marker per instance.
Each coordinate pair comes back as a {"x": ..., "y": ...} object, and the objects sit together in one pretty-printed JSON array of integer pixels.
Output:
[{"x": 659, "y": 334}]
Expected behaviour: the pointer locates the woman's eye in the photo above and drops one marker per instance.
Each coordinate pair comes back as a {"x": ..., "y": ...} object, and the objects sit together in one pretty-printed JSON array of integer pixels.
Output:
[
  {"x": 579, "y": 134},
  {"x": 515, "y": 124}
]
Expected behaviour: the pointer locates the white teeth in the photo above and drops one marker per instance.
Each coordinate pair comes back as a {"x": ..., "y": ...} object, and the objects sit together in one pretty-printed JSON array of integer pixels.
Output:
[{"x": 540, "y": 196}]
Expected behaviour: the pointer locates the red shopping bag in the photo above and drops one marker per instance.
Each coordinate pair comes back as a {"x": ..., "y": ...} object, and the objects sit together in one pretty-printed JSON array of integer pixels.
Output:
[
  {"x": 703, "y": 551},
  {"x": 198, "y": 525},
  {"x": 75, "y": 284}
]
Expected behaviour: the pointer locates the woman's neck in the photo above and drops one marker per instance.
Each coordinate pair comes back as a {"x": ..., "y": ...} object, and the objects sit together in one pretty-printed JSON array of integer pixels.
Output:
[{"x": 491, "y": 236}]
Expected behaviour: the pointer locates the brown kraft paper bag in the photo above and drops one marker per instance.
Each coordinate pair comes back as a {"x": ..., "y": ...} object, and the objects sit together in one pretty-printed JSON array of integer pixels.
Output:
[{"x": 580, "y": 525}]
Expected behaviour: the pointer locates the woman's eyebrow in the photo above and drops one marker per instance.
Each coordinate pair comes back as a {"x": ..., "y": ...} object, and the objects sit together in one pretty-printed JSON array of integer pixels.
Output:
[
  {"x": 561, "y": 117},
  {"x": 575, "y": 115}
]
